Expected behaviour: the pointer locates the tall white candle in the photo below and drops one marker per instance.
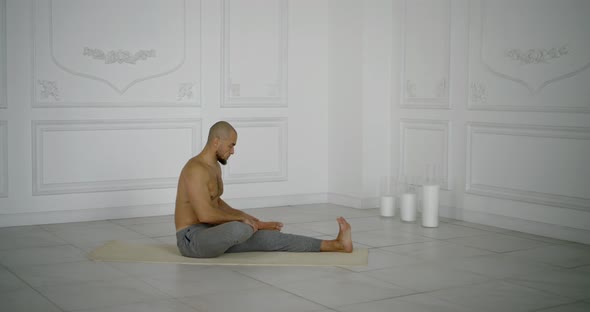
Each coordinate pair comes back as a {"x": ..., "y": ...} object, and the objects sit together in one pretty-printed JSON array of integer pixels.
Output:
[
  {"x": 387, "y": 206},
  {"x": 408, "y": 207},
  {"x": 430, "y": 205}
]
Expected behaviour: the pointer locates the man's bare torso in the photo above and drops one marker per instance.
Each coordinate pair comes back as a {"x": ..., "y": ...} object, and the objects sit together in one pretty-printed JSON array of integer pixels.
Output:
[{"x": 184, "y": 214}]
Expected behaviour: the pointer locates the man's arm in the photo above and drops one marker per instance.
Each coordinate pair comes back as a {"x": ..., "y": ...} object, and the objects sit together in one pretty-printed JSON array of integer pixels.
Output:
[
  {"x": 275, "y": 226},
  {"x": 223, "y": 205},
  {"x": 196, "y": 180}
]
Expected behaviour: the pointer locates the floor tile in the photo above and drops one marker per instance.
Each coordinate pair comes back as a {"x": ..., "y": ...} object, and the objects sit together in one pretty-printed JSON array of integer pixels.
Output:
[
  {"x": 500, "y": 265},
  {"x": 427, "y": 276},
  {"x": 96, "y": 232},
  {"x": 411, "y": 303},
  {"x": 379, "y": 259},
  {"x": 66, "y": 273},
  {"x": 26, "y": 300},
  {"x": 383, "y": 239},
  {"x": 145, "y": 220},
  {"x": 480, "y": 226},
  {"x": 166, "y": 305},
  {"x": 567, "y": 256},
  {"x": 153, "y": 229},
  {"x": 277, "y": 275},
  {"x": 436, "y": 250},
  {"x": 27, "y": 237},
  {"x": 569, "y": 283},
  {"x": 446, "y": 231},
  {"x": 252, "y": 300},
  {"x": 100, "y": 294},
  {"x": 572, "y": 307},
  {"x": 87, "y": 246},
  {"x": 333, "y": 291},
  {"x": 497, "y": 242},
  {"x": 156, "y": 270},
  {"x": 41, "y": 255},
  {"x": 9, "y": 281},
  {"x": 499, "y": 296},
  {"x": 199, "y": 282}
]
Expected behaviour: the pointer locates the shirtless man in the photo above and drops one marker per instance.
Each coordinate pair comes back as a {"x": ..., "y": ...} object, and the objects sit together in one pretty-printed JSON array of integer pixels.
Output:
[{"x": 206, "y": 226}]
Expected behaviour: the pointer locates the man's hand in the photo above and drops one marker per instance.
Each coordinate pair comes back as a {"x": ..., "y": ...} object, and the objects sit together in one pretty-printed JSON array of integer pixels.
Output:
[
  {"x": 273, "y": 226},
  {"x": 252, "y": 223}
]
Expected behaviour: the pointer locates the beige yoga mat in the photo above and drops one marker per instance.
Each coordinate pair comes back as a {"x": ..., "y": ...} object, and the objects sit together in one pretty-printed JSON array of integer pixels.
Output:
[{"x": 168, "y": 253}]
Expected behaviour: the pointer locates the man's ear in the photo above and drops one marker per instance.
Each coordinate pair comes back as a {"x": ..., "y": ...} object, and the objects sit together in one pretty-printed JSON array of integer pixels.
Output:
[{"x": 216, "y": 141}]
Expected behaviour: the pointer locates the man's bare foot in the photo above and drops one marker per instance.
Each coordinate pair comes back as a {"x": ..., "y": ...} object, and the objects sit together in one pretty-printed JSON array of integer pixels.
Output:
[
  {"x": 273, "y": 226},
  {"x": 343, "y": 242}
]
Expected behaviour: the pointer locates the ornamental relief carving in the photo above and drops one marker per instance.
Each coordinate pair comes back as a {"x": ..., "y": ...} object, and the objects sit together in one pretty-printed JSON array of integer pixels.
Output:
[
  {"x": 536, "y": 56},
  {"x": 185, "y": 91},
  {"x": 48, "y": 90},
  {"x": 478, "y": 93},
  {"x": 119, "y": 56}
]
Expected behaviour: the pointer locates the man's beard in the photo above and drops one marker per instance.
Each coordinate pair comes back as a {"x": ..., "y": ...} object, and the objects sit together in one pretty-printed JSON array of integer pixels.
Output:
[{"x": 221, "y": 160}]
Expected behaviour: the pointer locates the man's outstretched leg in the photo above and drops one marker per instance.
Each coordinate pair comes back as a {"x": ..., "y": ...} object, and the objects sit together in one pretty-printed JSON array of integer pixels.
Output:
[{"x": 268, "y": 240}]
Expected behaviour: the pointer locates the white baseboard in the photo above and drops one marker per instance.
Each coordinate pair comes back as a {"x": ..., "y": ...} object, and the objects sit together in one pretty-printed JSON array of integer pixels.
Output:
[
  {"x": 345, "y": 200},
  {"x": 277, "y": 201},
  {"x": 527, "y": 226}
]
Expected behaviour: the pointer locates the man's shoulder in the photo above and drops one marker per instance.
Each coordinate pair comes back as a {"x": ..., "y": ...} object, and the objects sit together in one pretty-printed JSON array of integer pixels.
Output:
[{"x": 195, "y": 167}]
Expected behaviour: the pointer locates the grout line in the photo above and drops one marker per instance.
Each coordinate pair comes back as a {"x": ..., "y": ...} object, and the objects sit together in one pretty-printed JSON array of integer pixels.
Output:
[
  {"x": 284, "y": 290},
  {"x": 33, "y": 288}
]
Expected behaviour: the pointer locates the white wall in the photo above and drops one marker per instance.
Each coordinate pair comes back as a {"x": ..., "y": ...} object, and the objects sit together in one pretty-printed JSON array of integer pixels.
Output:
[{"x": 88, "y": 135}]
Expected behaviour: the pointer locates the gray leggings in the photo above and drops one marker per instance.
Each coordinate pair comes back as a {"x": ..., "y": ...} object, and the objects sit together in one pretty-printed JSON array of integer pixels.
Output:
[{"x": 209, "y": 241}]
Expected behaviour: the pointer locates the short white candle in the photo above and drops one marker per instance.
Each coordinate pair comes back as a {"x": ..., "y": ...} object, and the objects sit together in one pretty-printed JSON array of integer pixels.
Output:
[{"x": 387, "y": 206}]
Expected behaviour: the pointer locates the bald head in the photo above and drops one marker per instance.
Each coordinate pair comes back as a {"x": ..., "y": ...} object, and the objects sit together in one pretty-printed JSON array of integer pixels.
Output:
[{"x": 221, "y": 130}]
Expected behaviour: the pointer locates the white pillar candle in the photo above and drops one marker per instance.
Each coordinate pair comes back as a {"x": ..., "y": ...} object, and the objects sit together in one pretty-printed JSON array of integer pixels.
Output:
[
  {"x": 408, "y": 207},
  {"x": 387, "y": 206},
  {"x": 430, "y": 205}
]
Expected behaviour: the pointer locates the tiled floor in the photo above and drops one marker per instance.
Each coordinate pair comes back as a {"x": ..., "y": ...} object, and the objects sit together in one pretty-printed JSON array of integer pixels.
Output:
[{"x": 456, "y": 267}]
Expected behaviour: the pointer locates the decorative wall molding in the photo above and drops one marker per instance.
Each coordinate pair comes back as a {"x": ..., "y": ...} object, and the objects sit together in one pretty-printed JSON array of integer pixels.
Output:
[
  {"x": 118, "y": 56},
  {"x": 3, "y": 158},
  {"x": 76, "y": 77},
  {"x": 3, "y": 69},
  {"x": 441, "y": 90},
  {"x": 49, "y": 90},
  {"x": 276, "y": 92},
  {"x": 40, "y": 128},
  {"x": 442, "y": 126},
  {"x": 410, "y": 97},
  {"x": 503, "y": 192},
  {"x": 279, "y": 125},
  {"x": 524, "y": 60}
]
